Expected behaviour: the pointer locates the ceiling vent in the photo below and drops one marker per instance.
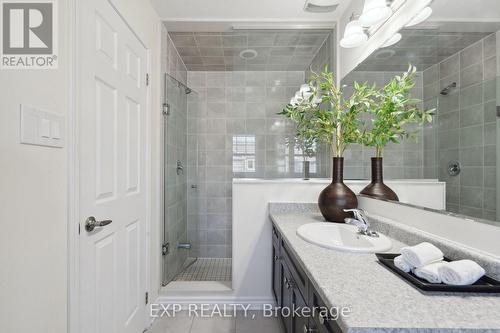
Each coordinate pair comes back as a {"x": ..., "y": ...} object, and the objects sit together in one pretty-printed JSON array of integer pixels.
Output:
[{"x": 321, "y": 6}]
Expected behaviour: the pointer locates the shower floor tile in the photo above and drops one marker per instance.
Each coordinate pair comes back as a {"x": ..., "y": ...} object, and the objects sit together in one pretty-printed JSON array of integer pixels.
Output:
[{"x": 207, "y": 269}]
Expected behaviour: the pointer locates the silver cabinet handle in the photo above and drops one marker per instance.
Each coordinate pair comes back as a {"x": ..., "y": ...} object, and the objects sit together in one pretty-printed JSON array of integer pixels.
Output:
[
  {"x": 91, "y": 223},
  {"x": 306, "y": 329},
  {"x": 289, "y": 283}
]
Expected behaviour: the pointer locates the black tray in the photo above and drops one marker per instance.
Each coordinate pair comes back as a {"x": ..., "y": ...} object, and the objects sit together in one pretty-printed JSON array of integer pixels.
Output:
[{"x": 483, "y": 285}]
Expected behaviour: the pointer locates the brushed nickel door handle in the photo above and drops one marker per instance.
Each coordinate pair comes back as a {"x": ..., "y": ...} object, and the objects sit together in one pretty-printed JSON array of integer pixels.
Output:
[{"x": 91, "y": 223}]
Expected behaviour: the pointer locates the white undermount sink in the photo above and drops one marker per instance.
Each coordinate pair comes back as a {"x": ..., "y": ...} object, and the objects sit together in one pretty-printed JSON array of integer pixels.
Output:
[{"x": 342, "y": 237}]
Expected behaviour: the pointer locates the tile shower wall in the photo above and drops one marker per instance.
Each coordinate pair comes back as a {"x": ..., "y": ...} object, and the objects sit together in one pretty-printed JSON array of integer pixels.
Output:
[
  {"x": 175, "y": 148},
  {"x": 323, "y": 58},
  {"x": 234, "y": 131},
  {"x": 401, "y": 161},
  {"x": 465, "y": 128}
]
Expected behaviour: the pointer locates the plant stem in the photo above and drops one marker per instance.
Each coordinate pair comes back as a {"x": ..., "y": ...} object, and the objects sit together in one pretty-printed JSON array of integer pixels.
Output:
[
  {"x": 339, "y": 140},
  {"x": 380, "y": 151}
]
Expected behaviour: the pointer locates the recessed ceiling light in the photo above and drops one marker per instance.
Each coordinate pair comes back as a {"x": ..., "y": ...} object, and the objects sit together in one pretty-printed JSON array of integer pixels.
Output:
[
  {"x": 354, "y": 35},
  {"x": 385, "y": 54},
  {"x": 248, "y": 54},
  {"x": 393, "y": 40},
  {"x": 321, "y": 6},
  {"x": 420, "y": 17},
  {"x": 375, "y": 12}
]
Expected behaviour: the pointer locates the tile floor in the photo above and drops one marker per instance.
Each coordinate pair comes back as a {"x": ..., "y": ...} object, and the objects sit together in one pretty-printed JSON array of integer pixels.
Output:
[
  {"x": 183, "y": 323},
  {"x": 207, "y": 269}
]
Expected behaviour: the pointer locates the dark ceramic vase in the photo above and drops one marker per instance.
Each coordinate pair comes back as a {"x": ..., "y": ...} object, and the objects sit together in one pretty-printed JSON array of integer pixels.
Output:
[
  {"x": 377, "y": 188},
  {"x": 337, "y": 196}
]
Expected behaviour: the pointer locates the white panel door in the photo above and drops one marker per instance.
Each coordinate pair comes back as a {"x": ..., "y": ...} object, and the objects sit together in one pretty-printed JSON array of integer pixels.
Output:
[{"x": 112, "y": 166}]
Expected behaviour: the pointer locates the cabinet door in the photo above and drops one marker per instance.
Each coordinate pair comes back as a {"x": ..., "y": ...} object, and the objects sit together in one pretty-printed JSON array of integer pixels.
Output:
[
  {"x": 277, "y": 275},
  {"x": 299, "y": 324},
  {"x": 287, "y": 295},
  {"x": 321, "y": 321}
]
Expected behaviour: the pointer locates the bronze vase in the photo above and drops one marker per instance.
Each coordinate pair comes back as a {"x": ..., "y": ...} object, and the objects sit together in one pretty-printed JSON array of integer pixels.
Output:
[
  {"x": 377, "y": 188},
  {"x": 337, "y": 196}
]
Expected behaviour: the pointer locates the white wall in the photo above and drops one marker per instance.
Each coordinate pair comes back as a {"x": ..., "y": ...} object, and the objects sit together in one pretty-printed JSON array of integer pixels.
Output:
[
  {"x": 33, "y": 185},
  {"x": 33, "y": 239}
]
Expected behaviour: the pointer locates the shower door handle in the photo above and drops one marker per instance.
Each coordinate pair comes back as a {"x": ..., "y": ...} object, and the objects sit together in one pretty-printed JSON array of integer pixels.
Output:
[{"x": 180, "y": 168}]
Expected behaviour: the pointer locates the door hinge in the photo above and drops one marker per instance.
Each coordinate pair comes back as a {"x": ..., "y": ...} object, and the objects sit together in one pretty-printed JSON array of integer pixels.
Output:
[
  {"x": 147, "y": 79},
  {"x": 146, "y": 298},
  {"x": 165, "y": 109},
  {"x": 79, "y": 227}
]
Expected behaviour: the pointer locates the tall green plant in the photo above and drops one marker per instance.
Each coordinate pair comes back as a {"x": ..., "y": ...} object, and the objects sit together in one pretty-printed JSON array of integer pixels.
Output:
[
  {"x": 326, "y": 115},
  {"x": 393, "y": 111}
]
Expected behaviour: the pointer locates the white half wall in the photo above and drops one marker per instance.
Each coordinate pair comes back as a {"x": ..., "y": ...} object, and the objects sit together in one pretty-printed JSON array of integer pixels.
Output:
[{"x": 252, "y": 245}]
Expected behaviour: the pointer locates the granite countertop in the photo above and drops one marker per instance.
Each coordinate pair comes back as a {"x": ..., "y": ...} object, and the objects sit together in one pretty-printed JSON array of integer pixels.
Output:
[{"x": 379, "y": 300}]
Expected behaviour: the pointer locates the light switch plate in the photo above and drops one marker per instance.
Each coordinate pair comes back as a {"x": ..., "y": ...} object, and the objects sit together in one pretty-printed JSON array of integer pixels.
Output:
[{"x": 41, "y": 128}]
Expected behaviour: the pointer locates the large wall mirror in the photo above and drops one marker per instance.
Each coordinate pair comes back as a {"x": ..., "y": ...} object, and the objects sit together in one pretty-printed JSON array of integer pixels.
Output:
[{"x": 457, "y": 55}]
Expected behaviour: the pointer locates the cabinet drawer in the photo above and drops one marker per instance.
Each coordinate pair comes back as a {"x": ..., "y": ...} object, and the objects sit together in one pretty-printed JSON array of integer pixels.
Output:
[
  {"x": 297, "y": 273},
  {"x": 323, "y": 323}
]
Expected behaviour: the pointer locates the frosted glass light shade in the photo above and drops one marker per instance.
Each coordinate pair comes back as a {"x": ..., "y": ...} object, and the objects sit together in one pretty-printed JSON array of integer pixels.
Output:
[
  {"x": 375, "y": 12},
  {"x": 354, "y": 35},
  {"x": 420, "y": 17}
]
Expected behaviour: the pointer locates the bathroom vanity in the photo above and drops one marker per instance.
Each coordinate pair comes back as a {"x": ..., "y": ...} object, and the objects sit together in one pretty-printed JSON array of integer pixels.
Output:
[
  {"x": 306, "y": 275},
  {"x": 292, "y": 288}
]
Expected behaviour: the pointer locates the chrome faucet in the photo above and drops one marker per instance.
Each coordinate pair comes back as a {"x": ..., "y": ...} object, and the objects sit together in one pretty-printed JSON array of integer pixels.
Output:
[{"x": 360, "y": 220}]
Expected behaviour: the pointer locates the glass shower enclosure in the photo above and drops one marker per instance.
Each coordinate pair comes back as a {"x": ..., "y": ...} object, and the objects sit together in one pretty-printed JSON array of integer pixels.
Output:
[{"x": 176, "y": 246}]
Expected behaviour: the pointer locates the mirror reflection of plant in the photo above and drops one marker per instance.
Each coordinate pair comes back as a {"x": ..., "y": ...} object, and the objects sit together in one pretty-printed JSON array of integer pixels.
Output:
[
  {"x": 298, "y": 111},
  {"x": 327, "y": 116},
  {"x": 393, "y": 110}
]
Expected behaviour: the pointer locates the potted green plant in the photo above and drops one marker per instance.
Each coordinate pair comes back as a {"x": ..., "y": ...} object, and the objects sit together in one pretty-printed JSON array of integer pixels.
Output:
[
  {"x": 393, "y": 110},
  {"x": 333, "y": 119}
]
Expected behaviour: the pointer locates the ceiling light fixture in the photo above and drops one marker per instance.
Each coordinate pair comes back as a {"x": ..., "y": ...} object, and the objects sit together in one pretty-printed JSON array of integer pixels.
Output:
[
  {"x": 420, "y": 17},
  {"x": 393, "y": 40},
  {"x": 321, "y": 6},
  {"x": 354, "y": 35},
  {"x": 375, "y": 12}
]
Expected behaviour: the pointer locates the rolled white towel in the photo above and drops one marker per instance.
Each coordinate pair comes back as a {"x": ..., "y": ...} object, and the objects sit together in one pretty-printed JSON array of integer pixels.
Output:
[
  {"x": 461, "y": 272},
  {"x": 421, "y": 254},
  {"x": 401, "y": 263},
  {"x": 430, "y": 272}
]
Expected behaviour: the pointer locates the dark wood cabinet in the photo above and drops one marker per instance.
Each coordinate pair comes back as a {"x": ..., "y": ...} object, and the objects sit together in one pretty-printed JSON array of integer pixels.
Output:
[
  {"x": 277, "y": 275},
  {"x": 293, "y": 290}
]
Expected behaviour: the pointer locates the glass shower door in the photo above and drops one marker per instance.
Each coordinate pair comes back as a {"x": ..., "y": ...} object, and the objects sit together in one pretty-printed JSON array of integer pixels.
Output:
[{"x": 174, "y": 178}]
